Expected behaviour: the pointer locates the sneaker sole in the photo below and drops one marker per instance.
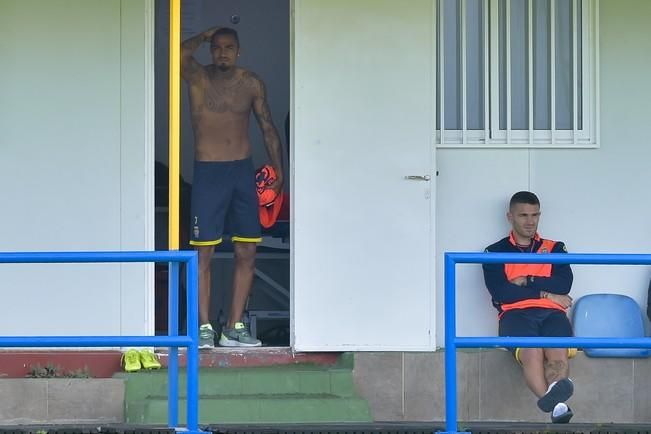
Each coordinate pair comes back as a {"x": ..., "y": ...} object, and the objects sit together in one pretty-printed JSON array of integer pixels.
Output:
[
  {"x": 563, "y": 418},
  {"x": 206, "y": 347},
  {"x": 561, "y": 392},
  {"x": 228, "y": 343}
]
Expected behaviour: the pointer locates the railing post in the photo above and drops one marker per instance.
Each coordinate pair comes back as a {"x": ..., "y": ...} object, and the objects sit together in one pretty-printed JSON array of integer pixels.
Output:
[
  {"x": 450, "y": 346},
  {"x": 172, "y": 340},
  {"x": 173, "y": 359},
  {"x": 452, "y": 342},
  {"x": 193, "y": 350}
]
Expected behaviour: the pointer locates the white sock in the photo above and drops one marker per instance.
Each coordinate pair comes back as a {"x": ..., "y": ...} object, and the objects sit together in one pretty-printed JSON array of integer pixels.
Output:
[{"x": 559, "y": 409}]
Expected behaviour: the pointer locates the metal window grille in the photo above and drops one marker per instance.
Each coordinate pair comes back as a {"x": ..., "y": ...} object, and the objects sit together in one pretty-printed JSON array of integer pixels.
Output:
[{"x": 516, "y": 73}]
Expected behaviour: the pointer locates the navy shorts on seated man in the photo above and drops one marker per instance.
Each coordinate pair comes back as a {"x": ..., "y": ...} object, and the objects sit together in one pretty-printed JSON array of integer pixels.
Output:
[
  {"x": 534, "y": 322},
  {"x": 221, "y": 191}
]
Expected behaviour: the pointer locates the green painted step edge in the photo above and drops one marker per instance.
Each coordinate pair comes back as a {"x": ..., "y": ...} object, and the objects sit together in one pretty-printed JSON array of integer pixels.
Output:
[
  {"x": 258, "y": 409},
  {"x": 245, "y": 381},
  {"x": 275, "y": 368},
  {"x": 346, "y": 361}
]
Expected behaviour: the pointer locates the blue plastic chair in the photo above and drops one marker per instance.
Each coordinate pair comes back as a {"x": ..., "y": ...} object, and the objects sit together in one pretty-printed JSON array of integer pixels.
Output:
[{"x": 609, "y": 315}]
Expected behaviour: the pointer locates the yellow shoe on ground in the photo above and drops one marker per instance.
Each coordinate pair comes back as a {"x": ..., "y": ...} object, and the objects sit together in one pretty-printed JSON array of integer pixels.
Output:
[
  {"x": 149, "y": 360},
  {"x": 131, "y": 361}
]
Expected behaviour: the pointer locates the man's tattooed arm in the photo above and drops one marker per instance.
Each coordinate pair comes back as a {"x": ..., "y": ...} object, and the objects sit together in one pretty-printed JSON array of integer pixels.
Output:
[
  {"x": 269, "y": 132},
  {"x": 190, "y": 68}
]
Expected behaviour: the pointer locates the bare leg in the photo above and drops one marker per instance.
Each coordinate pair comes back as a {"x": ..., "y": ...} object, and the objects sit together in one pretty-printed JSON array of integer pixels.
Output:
[
  {"x": 532, "y": 360},
  {"x": 205, "y": 260},
  {"x": 242, "y": 280},
  {"x": 556, "y": 370},
  {"x": 556, "y": 364}
]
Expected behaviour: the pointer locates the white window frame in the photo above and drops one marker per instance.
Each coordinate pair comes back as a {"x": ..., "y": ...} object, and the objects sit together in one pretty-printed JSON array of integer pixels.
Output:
[{"x": 494, "y": 137}]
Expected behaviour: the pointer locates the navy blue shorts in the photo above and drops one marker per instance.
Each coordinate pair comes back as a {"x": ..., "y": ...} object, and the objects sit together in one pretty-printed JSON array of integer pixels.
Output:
[
  {"x": 224, "y": 196},
  {"x": 534, "y": 322}
]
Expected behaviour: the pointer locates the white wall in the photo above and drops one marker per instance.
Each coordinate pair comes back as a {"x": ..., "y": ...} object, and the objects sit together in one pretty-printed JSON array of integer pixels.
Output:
[
  {"x": 595, "y": 200},
  {"x": 75, "y": 164}
]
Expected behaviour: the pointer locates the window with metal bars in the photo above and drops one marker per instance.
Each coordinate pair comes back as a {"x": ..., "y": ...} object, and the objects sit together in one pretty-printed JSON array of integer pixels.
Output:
[{"x": 517, "y": 73}]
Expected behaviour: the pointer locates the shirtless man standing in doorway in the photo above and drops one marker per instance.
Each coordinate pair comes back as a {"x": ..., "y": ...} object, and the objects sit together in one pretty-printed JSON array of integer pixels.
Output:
[{"x": 222, "y": 96}]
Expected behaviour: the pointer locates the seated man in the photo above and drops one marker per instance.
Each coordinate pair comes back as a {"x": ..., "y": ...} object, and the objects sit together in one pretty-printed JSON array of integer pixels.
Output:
[{"x": 532, "y": 300}]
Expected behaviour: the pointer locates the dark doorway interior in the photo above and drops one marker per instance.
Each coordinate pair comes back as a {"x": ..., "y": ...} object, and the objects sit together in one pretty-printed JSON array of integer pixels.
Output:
[{"x": 263, "y": 27}]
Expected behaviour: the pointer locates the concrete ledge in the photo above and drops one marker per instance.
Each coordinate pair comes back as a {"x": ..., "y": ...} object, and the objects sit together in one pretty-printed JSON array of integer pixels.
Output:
[
  {"x": 18, "y": 363},
  {"x": 220, "y": 357},
  {"x": 61, "y": 400},
  {"x": 410, "y": 387}
]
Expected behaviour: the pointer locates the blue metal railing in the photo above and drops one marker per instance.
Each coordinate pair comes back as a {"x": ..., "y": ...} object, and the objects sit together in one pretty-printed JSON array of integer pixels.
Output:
[
  {"x": 172, "y": 340},
  {"x": 452, "y": 341}
]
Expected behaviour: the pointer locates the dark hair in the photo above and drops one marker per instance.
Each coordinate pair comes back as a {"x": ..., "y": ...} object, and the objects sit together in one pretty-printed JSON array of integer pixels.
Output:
[
  {"x": 225, "y": 31},
  {"x": 524, "y": 197}
]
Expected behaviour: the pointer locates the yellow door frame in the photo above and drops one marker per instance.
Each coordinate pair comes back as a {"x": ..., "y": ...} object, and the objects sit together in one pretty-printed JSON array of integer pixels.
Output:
[{"x": 174, "y": 124}]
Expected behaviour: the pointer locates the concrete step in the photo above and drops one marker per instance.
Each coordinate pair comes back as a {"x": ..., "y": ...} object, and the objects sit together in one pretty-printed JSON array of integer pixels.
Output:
[
  {"x": 257, "y": 409},
  {"x": 278, "y": 380},
  {"x": 221, "y": 357},
  {"x": 294, "y": 393}
]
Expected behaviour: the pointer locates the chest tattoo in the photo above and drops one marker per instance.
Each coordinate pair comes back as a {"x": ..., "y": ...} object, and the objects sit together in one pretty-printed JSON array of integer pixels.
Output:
[{"x": 231, "y": 95}]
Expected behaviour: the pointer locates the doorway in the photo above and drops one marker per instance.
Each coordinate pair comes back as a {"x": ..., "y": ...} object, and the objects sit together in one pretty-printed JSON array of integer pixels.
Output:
[{"x": 263, "y": 27}]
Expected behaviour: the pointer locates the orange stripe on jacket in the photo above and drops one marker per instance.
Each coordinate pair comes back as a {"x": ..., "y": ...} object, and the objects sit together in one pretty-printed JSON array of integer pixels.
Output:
[{"x": 537, "y": 270}]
